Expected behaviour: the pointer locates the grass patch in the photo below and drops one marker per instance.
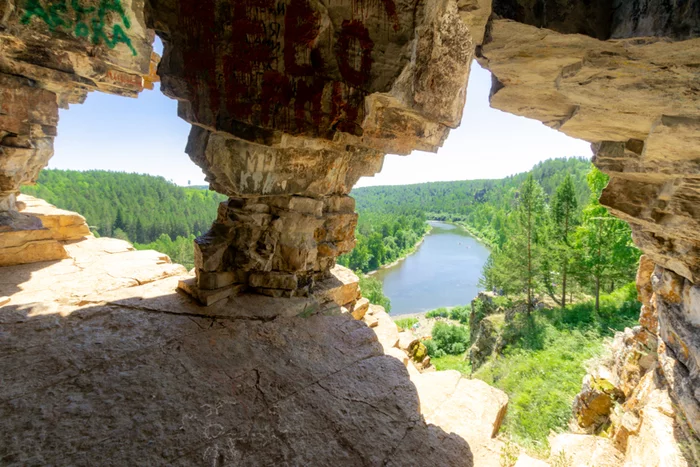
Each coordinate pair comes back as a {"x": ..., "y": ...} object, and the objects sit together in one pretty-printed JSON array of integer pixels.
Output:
[
  {"x": 452, "y": 362},
  {"x": 405, "y": 324},
  {"x": 457, "y": 313},
  {"x": 543, "y": 365}
]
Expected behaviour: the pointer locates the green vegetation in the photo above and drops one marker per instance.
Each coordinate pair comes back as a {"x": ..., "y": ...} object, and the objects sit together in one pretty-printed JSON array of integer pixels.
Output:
[
  {"x": 549, "y": 251},
  {"x": 372, "y": 291},
  {"x": 457, "y": 313},
  {"x": 141, "y": 206},
  {"x": 451, "y": 362},
  {"x": 404, "y": 324},
  {"x": 180, "y": 250},
  {"x": 448, "y": 339},
  {"x": 148, "y": 211},
  {"x": 543, "y": 363}
]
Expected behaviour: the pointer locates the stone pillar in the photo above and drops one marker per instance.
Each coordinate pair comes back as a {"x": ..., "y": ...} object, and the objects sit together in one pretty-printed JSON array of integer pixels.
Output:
[
  {"x": 28, "y": 119},
  {"x": 287, "y": 219},
  {"x": 291, "y": 102}
]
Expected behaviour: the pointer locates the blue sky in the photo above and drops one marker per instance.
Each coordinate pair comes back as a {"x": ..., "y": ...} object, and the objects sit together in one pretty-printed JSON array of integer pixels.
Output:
[{"x": 145, "y": 135}]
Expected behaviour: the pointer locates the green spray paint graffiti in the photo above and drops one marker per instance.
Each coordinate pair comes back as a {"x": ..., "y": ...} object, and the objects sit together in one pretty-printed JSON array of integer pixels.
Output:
[{"x": 86, "y": 22}]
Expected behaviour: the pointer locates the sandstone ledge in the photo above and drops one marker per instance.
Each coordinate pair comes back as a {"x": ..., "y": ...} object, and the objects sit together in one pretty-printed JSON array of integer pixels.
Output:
[{"x": 113, "y": 366}]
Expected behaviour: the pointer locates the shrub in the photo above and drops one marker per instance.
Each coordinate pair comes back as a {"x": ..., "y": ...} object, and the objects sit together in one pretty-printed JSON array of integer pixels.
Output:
[
  {"x": 448, "y": 339},
  {"x": 461, "y": 314},
  {"x": 373, "y": 291},
  {"x": 405, "y": 323},
  {"x": 439, "y": 313},
  {"x": 433, "y": 350}
]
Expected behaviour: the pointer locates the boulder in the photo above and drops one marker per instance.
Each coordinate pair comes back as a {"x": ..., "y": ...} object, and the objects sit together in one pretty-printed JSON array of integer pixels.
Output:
[
  {"x": 360, "y": 308},
  {"x": 592, "y": 406},
  {"x": 385, "y": 329},
  {"x": 64, "y": 225},
  {"x": 407, "y": 340}
]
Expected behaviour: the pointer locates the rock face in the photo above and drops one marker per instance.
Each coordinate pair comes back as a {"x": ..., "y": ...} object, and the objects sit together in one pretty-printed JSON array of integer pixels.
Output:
[
  {"x": 469, "y": 408},
  {"x": 643, "y": 398},
  {"x": 113, "y": 366},
  {"x": 299, "y": 100},
  {"x": 39, "y": 232}
]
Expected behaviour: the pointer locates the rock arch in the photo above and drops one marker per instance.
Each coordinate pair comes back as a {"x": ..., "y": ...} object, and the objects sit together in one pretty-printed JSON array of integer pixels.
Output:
[{"x": 291, "y": 101}]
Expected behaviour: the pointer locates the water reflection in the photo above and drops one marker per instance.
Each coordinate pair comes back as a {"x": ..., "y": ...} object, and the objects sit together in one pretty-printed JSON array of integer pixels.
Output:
[{"x": 443, "y": 272}]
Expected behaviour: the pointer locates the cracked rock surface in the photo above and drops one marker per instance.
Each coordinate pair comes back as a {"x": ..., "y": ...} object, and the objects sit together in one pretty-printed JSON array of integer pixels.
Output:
[{"x": 104, "y": 363}]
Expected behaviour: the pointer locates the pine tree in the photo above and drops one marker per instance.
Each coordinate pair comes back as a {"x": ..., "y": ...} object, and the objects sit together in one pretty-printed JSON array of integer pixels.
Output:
[
  {"x": 604, "y": 243},
  {"x": 564, "y": 216},
  {"x": 529, "y": 215}
]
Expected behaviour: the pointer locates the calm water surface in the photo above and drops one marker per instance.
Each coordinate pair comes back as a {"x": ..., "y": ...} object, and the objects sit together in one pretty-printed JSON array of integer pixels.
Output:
[{"x": 443, "y": 272}]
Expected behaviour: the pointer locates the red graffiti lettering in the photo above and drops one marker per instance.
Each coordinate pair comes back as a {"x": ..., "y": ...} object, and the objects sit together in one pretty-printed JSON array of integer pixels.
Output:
[
  {"x": 354, "y": 31},
  {"x": 276, "y": 90},
  {"x": 311, "y": 96},
  {"x": 301, "y": 28},
  {"x": 345, "y": 110}
]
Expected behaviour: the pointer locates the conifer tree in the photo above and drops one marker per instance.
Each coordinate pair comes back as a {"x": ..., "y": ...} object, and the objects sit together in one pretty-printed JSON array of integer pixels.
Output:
[
  {"x": 604, "y": 243},
  {"x": 564, "y": 211}
]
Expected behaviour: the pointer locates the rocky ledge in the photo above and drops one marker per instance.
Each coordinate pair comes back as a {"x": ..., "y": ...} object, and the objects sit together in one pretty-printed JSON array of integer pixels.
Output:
[{"x": 105, "y": 362}]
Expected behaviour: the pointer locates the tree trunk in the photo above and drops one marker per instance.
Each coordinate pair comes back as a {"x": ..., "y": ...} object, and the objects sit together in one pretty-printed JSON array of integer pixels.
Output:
[
  {"x": 529, "y": 262},
  {"x": 563, "y": 287},
  {"x": 566, "y": 243},
  {"x": 597, "y": 293}
]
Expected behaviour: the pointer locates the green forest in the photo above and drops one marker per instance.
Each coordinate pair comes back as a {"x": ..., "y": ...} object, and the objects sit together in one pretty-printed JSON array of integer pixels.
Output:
[
  {"x": 148, "y": 211},
  {"x": 557, "y": 256},
  {"x": 547, "y": 231},
  {"x": 561, "y": 265}
]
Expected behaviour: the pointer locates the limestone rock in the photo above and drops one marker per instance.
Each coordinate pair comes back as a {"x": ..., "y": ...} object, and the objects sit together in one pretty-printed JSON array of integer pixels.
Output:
[
  {"x": 654, "y": 437},
  {"x": 64, "y": 225},
  {"x": 648, "y": 316},
  {"x": 583, "y": 450},
  {"x": 592, "y": 406},
  {"x": 91, "y": 347},
  {"x": 678, "y": 307},
  {"x": 287, "y": 122},
  {"x": 385, "y": 329},
  {"x": 371, "y": 321},
  {"x": 472, "y": 400},
  {"x": 526, "y": 461},
  {"x": 360, "y": 308},
  {"x": 407, "y": 340}
]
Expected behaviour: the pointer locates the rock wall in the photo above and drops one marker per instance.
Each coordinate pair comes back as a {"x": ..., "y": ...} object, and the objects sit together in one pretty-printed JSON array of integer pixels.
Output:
[
  {"x": 624, "y": 76},
  {"x": 645, "y": 397},
  {"x": 52, "y": 53}
]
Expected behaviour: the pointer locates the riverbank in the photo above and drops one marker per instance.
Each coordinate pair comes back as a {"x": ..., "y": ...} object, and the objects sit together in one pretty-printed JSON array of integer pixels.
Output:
[
  {"x": 425, "y": 324},
  {"x": 476, "y": 236},
  {"x": 408, "y": 253}
]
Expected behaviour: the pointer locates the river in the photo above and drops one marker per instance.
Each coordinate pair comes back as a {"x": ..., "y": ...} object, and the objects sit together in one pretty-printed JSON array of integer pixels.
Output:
[{"x": 444, "y": 271}]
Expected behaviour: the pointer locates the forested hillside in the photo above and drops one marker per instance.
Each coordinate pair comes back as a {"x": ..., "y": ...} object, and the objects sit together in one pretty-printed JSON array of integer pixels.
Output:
[
  {"x": 141, "y": 206},
  {"x": 148, "y": 211},
  {"x": 392, "y": 217}
]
